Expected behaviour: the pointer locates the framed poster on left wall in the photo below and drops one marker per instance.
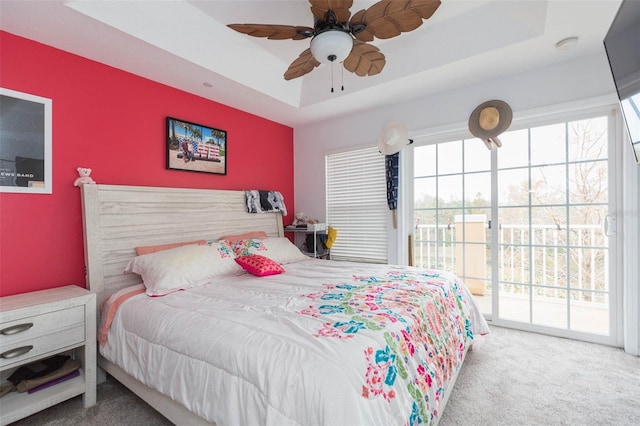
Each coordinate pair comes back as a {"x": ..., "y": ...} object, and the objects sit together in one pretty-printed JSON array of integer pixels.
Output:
[{"x": 25, "y": 143}]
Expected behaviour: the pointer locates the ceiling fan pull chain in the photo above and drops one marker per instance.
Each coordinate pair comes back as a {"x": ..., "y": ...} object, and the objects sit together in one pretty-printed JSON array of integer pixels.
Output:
[
  {"x": 342, "y": 78},
  {"x": 331, "y": 76}
]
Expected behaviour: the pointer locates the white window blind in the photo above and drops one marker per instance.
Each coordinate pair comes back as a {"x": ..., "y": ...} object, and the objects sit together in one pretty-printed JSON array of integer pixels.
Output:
[{"x": 357, "y": 205}]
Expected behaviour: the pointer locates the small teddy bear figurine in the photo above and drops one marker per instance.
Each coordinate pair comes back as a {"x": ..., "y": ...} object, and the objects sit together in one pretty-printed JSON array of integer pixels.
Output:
[
  {"x": 84, "y": 177},
  {"x": 300, "y": 219},
  {"x": 303, "y": 219}
]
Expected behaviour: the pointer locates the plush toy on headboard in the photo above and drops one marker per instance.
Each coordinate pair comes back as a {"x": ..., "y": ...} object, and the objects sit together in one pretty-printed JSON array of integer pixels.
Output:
[{"x": 84, "y": 177}]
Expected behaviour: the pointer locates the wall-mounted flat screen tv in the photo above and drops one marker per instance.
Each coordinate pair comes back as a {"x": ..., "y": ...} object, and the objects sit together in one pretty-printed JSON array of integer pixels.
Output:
[{"x": 622, "y": 44}]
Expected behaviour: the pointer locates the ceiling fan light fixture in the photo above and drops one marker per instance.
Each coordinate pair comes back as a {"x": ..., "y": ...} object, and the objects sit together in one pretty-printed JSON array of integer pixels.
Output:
[{"x": 331, "y": 46}]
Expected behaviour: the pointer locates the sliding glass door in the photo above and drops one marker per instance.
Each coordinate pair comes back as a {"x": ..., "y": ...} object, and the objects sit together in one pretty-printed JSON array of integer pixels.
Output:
[
  {"x": 527, "y": 226},
  {"x": 452, "y": 212}
]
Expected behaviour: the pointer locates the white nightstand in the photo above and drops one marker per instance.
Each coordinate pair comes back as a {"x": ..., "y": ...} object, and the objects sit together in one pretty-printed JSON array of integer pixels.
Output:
[{"x": 41, "y": 324}]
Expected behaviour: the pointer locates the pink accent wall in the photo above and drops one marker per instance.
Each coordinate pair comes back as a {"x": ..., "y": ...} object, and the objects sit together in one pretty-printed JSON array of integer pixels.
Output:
[{"x": 114, "y": 123}]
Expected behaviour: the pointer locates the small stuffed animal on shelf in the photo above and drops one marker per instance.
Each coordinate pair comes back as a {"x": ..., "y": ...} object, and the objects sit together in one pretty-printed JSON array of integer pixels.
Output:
[
  {"x": 84, "y": 177},
  {"x": 303, "y": 219}
]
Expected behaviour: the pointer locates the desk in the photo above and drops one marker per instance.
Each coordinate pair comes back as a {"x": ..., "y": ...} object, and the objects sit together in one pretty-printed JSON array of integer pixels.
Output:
[{"x": 315, "y": 230}]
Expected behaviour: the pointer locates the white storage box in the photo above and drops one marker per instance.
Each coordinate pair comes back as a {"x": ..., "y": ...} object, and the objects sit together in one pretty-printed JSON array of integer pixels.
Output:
[{"x": 316, "y": 226}]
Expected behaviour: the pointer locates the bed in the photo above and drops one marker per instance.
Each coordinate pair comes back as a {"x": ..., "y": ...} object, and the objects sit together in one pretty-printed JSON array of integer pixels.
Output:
[{"x": 322, "y": 342}]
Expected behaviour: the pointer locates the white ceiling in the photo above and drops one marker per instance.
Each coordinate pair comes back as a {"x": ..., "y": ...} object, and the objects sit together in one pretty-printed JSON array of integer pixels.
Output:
[{"x": 185, "y": 44}]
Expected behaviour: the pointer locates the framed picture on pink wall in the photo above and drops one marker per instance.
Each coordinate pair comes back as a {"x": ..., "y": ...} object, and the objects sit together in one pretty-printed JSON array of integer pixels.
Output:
[
  {"x": 25, "y": 143},
  {"x": 195, "y": 147}
]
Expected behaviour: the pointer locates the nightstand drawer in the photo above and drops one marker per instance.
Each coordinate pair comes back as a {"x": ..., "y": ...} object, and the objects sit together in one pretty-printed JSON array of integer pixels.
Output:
[{"x": 37, "y": 325}]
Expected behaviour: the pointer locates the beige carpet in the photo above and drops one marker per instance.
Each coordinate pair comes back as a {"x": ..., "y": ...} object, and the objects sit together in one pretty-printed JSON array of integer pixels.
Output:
[
  {"x": 518, "y": 378},
  {"x": 510, "y": 378}
]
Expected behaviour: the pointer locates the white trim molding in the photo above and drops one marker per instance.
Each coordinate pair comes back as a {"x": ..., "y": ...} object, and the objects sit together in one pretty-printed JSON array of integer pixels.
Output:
[{"x": 631, "y": 242}]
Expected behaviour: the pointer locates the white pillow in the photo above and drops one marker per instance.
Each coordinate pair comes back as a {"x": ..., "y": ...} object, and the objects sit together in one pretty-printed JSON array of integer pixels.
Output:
[
  {"x": 183, "y": 267},
  {"x": 278, "y": 249}
]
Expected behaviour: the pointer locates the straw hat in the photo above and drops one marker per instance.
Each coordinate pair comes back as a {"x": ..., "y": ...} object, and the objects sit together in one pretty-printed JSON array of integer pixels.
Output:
[
  {"x": 393, "y": 137},
  {"x": 489, "y": 120}
]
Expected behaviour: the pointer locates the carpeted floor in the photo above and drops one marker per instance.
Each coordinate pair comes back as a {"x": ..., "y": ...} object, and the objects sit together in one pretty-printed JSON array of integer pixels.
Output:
[{"x": 509, "y": 378}]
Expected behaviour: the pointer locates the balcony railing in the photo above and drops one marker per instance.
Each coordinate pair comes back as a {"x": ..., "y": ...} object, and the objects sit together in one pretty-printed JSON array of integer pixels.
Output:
[{"x": 559, "y": 262}]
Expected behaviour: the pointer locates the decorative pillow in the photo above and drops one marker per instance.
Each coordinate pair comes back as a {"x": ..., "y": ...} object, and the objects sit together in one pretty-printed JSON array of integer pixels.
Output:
[
  {"x": 259, "y": 266},
  {"x": 183, "y": 267},
  {"x": 224, "y": 248},
  {"x": 248, "y": 246},
  {"x": 248, "y": 235},
  {"x": 279, "y": 249},
  {"x": 152, "y": 249}
]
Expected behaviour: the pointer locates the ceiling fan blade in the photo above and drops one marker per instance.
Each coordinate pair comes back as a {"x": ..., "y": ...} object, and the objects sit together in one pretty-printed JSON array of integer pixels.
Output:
[
  {"x": 273, "y": 32},
  {"x": 389, "y": 18},
  {"x": 301, "y": 66},
  {"x": 365, "y": 59},
  {"x": 340, "y": 8}
]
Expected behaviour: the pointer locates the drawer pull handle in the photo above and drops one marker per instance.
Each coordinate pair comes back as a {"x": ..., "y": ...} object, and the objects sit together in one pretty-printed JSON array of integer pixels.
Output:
[
  {"x": 12, "y": 353},
  {"x": 14, "y": 329}
]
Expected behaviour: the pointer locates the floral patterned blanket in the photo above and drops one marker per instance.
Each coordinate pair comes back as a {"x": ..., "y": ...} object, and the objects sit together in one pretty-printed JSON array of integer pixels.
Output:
[
  {"x": 325, "y": 342},
  {"x": 423, "y": 318}
]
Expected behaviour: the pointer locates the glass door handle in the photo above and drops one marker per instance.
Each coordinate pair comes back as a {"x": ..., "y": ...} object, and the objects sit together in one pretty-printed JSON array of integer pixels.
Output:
[{"x": 609, "y": 225}]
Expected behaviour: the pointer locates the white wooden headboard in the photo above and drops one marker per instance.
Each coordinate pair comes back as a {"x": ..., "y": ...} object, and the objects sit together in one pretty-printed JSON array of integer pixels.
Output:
[{"x": 119, "y": 218}]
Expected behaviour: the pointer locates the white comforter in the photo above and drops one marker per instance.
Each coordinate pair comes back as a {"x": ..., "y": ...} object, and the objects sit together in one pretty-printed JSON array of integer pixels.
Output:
[{"x": 326, "y": 342}]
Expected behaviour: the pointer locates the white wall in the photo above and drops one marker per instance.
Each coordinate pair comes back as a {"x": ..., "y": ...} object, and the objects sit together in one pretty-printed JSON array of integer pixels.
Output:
[{"x": 582, "y": 79}]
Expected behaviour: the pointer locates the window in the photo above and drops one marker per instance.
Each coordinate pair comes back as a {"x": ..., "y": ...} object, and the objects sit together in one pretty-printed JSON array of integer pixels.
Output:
[{"x": 357, "y": 205}]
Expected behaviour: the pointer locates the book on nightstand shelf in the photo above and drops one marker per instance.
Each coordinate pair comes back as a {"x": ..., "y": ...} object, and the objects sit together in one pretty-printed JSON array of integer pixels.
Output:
[
  {"x": 42, "y": 374},
  {"x": 48, "y": 384}
]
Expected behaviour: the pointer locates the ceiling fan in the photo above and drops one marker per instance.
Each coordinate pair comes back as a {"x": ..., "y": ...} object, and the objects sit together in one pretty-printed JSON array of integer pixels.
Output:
[{"x": 339, "y": 37}]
